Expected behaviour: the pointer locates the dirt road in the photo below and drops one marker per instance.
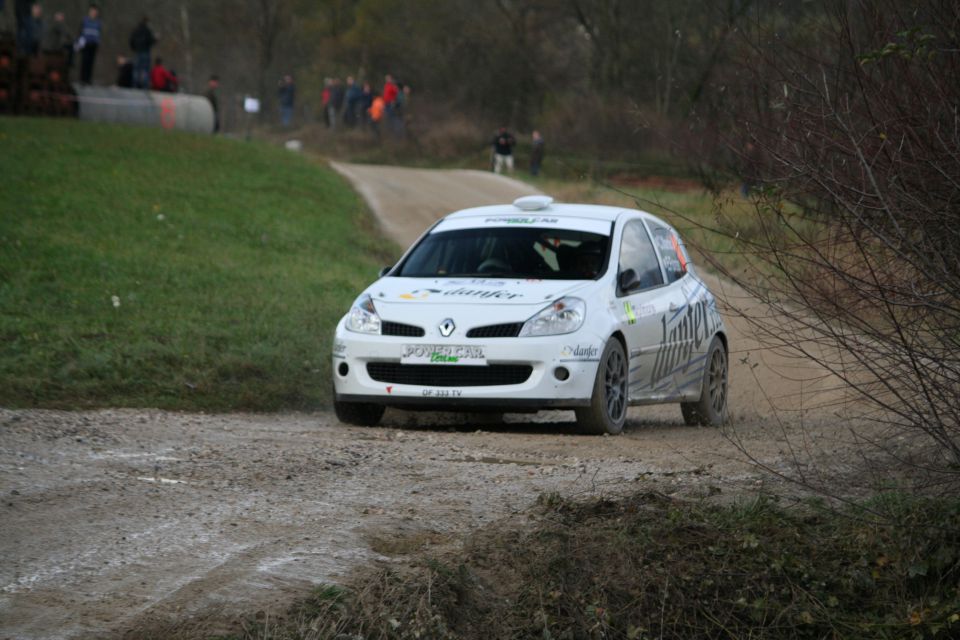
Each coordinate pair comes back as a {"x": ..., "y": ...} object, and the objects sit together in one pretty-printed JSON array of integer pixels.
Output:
[{"x": 119, "y": 520}]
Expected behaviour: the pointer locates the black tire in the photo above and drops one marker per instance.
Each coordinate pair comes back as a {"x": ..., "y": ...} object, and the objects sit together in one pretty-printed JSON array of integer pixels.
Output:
[
  {"x": 362, "y": 414},
  {"x": 711, "y": 409},
  {"x": 608, "y": 405}
]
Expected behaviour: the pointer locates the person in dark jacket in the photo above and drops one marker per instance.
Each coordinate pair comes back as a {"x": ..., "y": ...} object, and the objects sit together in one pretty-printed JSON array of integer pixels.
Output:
[
  {"x": 536, "y": 153},
  {"x": 212, "y": 85},
  {"x": 124, "y": 73},
  {"x": 141, "y": 41},
  {"x": 365, "y": 102},
  {"x": 91, "y": 32},
  {"x": 351, "y": 102},
  {"x": 55, "y": 36},
  {"x": 22, "y": 10},
  {"x": 503, "y": 150},
  {"x": 32, "y": 34},
  {"x": 286, "y": 94}
]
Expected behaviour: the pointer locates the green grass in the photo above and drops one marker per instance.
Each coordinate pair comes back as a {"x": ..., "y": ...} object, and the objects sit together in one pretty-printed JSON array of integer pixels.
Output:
[{"x": 147, "y": 268}]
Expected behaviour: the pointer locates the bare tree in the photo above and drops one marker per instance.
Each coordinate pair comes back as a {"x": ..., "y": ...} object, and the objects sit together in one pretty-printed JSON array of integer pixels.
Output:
[{"x": 852, "y": 140}]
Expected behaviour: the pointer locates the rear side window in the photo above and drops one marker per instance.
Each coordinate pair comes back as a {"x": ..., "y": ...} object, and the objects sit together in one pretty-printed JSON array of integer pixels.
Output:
[
  {"x": 674, "y": 260},
  {"x": 636, "y": 252}
]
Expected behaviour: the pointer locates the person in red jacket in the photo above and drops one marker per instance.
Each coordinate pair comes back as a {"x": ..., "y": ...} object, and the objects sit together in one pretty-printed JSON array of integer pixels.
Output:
[
  {"x": 390, "y": 93},
  {"x": 161, "y": 79}
]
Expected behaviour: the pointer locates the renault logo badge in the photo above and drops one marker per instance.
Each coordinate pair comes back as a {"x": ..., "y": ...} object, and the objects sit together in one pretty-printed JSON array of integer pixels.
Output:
[{"x": 446, "y": 327}]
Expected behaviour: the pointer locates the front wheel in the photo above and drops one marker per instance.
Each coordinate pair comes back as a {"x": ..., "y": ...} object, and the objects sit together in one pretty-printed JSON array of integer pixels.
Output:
[
  {"x": 362, "y": 414},
  {"x": 711, "y": 409},
  {"x": 608, "y": 405}
]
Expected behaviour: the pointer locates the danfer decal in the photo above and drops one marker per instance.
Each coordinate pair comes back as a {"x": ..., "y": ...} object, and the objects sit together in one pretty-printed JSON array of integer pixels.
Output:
[
  {"x": 631, "y": 316},
  {"x": 461, "y": 292},
  {"x": 682, "y": 335},
  {"x": 580, "y": 351}
]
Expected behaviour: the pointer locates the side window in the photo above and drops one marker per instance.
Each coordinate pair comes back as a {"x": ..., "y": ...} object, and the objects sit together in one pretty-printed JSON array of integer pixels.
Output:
[
  {"x": 674, "y": 261},
  {"x": 636, "y": 252}
]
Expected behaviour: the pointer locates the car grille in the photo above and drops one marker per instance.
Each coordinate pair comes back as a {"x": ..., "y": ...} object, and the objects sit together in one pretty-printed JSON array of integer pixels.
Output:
[
  {"x": 399, "y": 329},
  {"x": 438, "y": 375},
  {"x": 509, "y": 330}
]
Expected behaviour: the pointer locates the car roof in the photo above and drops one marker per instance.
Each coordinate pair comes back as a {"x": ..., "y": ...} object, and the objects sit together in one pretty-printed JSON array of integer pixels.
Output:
[{"x": 589, "y": 211}]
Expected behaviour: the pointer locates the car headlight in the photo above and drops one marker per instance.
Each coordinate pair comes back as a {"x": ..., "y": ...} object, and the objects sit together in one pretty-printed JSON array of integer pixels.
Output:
[
  {"x": 566, "y": 315},
  {"x": 363, "y": 316}
]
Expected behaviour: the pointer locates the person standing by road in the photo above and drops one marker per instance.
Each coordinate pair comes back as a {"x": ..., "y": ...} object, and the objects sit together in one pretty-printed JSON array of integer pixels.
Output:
[
  {"x": 162, "y": 79},
  {"x": 366, "y": 102},
  {"x": 141, "y": 41},
  {"x": 56, "y": 38},
  {"x": 286, "y": 95},
  {"x": 212, "y": 85},
  {"x": 351, "y": 102},
  {"x": 503, "y": 151},
  {"x": 335, "y": 106},
  {"x": 89, "y": 41},
  {"x": 377, "y": 107},
  {"x": 390, "y": 93},
  {"x": 34, "y": 30},
  {"x": 536, "y": 153}
]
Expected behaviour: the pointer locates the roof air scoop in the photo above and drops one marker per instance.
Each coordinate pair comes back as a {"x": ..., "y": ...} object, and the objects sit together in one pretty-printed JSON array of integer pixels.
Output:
[{"x": 532, "y": 203}]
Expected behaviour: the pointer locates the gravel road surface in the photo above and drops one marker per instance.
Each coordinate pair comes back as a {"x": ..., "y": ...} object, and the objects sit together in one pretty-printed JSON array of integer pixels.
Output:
[{"x": 116, "y": 521}]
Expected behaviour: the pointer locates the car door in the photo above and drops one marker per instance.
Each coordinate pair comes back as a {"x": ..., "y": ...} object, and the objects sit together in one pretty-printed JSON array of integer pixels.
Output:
[
  {"x": 677, "y": 370},
  {"x": 641, "y": 308}
]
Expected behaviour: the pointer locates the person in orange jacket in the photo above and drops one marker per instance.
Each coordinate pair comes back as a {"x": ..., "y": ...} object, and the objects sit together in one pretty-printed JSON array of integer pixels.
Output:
[{"x": 376, "y": 110}]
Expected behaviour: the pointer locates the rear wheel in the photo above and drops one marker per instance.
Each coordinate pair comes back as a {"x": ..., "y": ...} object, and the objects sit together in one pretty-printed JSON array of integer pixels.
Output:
[
  {"x": 711, "y": 409},
  {"x": 363, "y": 414},
  {"x": 608, "y": 405}
]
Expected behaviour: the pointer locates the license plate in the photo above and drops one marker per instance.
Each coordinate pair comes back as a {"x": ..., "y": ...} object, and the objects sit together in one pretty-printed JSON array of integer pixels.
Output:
[{"x": 443, "y": 354}]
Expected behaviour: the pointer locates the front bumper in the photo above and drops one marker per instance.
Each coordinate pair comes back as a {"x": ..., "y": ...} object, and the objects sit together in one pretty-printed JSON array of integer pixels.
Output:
[{"x": 578, "y": 353}]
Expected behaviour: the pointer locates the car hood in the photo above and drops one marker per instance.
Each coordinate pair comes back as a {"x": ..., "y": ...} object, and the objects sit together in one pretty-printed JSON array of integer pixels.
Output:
[{"x": 479, "y": 291}]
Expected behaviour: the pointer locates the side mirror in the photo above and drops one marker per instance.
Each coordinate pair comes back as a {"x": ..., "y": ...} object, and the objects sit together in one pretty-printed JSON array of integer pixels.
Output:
[
  {"x": 385, "y": 271},
  {"x": 628, "y": 280}
]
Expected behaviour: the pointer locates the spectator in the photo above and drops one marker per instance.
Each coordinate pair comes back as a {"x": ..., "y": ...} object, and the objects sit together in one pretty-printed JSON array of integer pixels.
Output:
[
  {"x": 377, "y": 107},
  {"x": 390, "y": 93},
  {"x": 366, "y": 102},
  {"x": 124, "y": 72},
  {"x": 89, "y": 41},
  {"x": 536, "y": 153},
  {"x": 22, "y": 10},
  {"x": 336, "y": 101},
  {"x": 34, "y": 31},
  {"x": 351, "y": 102},
  {"x": 325, "y": 101},
  {"x": 141, "y": 41},
  {"x": 286, "y": 94},
  {"x": 56, "y": 38},
  {"x": 503, "y": 151},
  {"x": 212, "y": 85},
  {"x": 162, "y": 79}
]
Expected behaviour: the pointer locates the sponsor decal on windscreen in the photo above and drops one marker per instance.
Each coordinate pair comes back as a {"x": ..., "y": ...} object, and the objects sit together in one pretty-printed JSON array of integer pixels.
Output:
[{"x": 461, "y": 292}]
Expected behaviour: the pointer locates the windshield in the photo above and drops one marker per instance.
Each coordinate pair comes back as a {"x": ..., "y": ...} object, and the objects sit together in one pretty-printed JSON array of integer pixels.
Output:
[{"x": 509, "y": 252}]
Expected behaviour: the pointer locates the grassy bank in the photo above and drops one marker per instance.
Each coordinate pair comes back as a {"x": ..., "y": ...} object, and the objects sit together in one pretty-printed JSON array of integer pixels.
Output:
[
  {"x": 649, "y": 567},
  {"x": 147, "y": 268}
]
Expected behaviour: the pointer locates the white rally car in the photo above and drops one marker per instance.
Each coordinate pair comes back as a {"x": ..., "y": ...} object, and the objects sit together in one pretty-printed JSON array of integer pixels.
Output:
[{"x": 533, "y": 306}]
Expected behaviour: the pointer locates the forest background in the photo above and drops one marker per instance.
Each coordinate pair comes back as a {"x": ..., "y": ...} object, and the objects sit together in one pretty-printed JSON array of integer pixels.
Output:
[{"x": 611, "y": 78}]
